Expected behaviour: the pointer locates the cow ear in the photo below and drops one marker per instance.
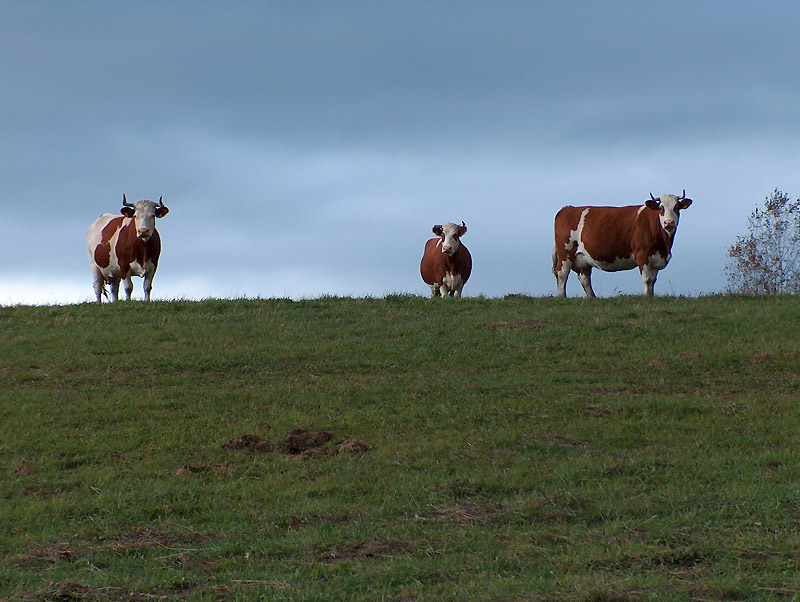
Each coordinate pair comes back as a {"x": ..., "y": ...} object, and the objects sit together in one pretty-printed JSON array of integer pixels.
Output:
[
  {"x": 654, "y": 205},
  {"x": 161, "y": 211},
  {"x": 128, "y": 211},
  {"x": 685, "y": 203},
  {"x": 437, "y": 230}
]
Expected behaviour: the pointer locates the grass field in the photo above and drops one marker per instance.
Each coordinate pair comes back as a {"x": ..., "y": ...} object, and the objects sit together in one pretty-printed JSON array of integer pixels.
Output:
[{"x": 516, "y": 449}]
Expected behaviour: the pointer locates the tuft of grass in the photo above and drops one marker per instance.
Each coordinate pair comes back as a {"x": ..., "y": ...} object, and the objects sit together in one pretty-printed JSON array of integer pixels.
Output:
[{"x": 401, "y": 449}]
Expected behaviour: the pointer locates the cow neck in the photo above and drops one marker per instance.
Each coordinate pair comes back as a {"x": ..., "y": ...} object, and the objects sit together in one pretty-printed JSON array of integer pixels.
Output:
[
  {"x": 450, "y": 260},
  {"x": 658, "y": 232}
]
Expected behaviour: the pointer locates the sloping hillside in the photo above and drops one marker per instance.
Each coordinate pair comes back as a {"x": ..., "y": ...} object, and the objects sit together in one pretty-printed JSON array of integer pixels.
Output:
[{"x": 401, "y": 449}]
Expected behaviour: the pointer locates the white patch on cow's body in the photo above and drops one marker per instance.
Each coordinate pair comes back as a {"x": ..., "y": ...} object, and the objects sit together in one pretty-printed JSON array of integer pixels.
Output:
[
  {"x": 138, "y": 270},
  {"x": 584, "y": 260},
  {"x": 451, "y": 285},
  {"x": 657, "y": 261},
  {"x": 453, "y": 282},
  {"x": 649, "y": 275},
  {"x": 95, "y": 237}
]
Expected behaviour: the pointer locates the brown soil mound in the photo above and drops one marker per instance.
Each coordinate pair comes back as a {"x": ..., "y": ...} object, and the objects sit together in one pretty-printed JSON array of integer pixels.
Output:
[
  {"x": 299, "y": 440},
  {"x": 252, "y": 443}
]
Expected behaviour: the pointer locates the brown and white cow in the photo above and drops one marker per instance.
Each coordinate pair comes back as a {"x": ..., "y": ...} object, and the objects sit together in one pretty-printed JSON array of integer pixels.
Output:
[
  {"x": 616, "y": 238},
  {"x": 446, "y": 263},
  {"x": 127, "y": 245}
]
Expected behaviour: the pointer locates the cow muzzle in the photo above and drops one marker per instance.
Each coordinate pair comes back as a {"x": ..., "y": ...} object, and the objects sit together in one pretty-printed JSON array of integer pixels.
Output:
[{"x": 144, "y": 234}]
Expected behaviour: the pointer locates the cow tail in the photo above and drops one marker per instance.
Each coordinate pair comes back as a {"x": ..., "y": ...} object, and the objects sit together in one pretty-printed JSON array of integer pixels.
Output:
[{"x": 555, "y": 259}]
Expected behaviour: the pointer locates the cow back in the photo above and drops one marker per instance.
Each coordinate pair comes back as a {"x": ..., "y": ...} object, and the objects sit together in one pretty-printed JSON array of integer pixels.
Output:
[{"x": 603, "y": 233}]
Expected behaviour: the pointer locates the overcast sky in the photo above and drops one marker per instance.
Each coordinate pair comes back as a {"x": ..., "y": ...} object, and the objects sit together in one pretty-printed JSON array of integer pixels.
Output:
[{"x": 307, "y": 148}]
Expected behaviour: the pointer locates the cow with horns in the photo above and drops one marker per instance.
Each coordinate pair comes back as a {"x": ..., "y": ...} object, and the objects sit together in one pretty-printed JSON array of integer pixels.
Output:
[
  {"x": 616, "y": 238},
  {"x": 123, "y": 246},
  {"x": 446, "y": 263}
]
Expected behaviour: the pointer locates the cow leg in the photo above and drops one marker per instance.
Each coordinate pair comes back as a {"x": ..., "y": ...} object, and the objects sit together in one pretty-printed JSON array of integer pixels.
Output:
[
  {"x": 444, "y": 291},
  {"x": 114, "y": 287},
  {"x": 649, "y": 276},
  {"x": 562, "y": 273},
  {"x": 585, "y": 277},
  {"x": 148, "y": 284},
  {"x": 99, "y": 283},
  {"x": 128, "y": 288},
  {"x": 434, "y": 290}
]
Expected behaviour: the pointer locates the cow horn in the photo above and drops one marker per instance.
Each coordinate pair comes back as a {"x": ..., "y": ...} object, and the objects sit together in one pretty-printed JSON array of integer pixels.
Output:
[
  {"x": 683, "y": 196},
  {"x": 161, "y": 201},
  {"x": 463, "y": 225},
  {"x": 652, "y": 198},
  {"x": 125, "y": 201}
]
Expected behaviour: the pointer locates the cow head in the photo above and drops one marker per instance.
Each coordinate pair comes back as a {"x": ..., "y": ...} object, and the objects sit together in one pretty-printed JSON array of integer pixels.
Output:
[
  {"x": 669, "y": 207},
  {"x": 450, "y": 234},
  {"x": 144, "y": 213}
]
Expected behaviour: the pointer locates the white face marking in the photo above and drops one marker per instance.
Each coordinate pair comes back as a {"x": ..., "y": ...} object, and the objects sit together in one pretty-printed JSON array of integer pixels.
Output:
[
  {"x": 669, "y": 214},
  {"x": 145, "y": 218},
  {"x": 450, "y": 241}
]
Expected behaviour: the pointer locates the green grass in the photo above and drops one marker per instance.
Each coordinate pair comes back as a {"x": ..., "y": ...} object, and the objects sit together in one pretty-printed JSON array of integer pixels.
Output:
[{"x": 516, "y": 449}]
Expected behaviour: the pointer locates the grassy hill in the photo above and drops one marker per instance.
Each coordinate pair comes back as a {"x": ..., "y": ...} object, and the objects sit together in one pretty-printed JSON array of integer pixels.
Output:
[{"x": 401, "y": 449}]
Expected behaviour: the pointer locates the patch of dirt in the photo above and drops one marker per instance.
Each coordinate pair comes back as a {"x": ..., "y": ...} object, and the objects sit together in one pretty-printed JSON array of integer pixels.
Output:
[
  {"x": 68, "y": 590},
  {"x": 297, "y": 443},
  {"x": 558, "y": 509},
  {"x": 27, "y": 467},
  {"x": 687, "y": 355},
  {"x": 63, "y": 591},
  {"x": 41, "y": 493},
  {"x": 353, "y": 446},
  {"x": 51, "y": 553},
  {"x": 760, "y": 358},
  {"x": 465, "y": 514},
  {"x": 252, "y": 443},
  {"x": 218, "y": 468},
  {"x": 597, "y": 411},
  {"x": 557, "y": 440},
  {"x": 515, "y": 324},
  {"x": 145, "y": 539},
  {"x": 364, "y": 550},
  {"x": 614, "y": 594},
  {"x": 677, "y": 559}
]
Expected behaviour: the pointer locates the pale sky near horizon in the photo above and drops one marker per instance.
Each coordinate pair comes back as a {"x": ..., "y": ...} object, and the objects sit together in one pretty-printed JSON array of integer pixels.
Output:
[{"x": 307, "y": 148}]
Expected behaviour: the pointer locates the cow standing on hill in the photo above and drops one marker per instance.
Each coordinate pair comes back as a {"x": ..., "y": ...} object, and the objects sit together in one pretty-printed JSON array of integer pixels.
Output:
[
  {"x": 122, "y": 246},
  {"x": 616, "y": 238},
  {"x": 446, "y": 263}
]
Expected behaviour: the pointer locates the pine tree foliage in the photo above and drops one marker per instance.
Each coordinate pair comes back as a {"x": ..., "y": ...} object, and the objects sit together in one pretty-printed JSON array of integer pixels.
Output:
[{"x": 766, "y": 260}]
